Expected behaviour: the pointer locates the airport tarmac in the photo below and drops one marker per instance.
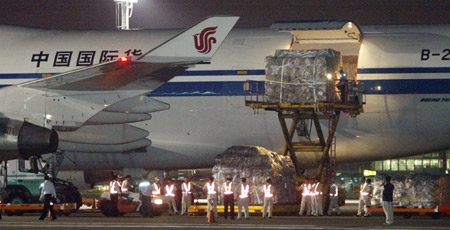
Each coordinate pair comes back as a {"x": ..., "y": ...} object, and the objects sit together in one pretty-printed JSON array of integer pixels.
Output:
[{"x": 95, "y": 220}]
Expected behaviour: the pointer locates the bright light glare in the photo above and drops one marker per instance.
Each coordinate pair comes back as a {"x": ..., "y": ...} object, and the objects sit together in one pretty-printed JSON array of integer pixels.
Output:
[
  {"x": 123, "y": 59},
  {"x": 350, "y": 25},
  {"x": 379, "y": 88},
  {"x": 158, "y": 201},
  {"x": 329, "y": 76}
]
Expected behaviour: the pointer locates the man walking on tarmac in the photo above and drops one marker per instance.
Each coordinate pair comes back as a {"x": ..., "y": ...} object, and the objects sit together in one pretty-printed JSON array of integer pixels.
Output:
[
  {"x": 228, "y": 197},
  {"x": 48, "y": 194},
  {"x": 305, "y": 189},
  {"x": 243, "y": 196},
  {"x": 170, "y": 197},
  {"x": 361, "y": 200},
  {"x": 145, "y": 188},
  {"x": 364, "y": 201},
  {"x": 334, "y": 197},
  {"x": 114, "y": 191},
  {"x": 268, "y": 198},
  {"x": 388, "y": 194},
  {"x": 212, "y": 191},
  {"x": 186, "y": 196}
]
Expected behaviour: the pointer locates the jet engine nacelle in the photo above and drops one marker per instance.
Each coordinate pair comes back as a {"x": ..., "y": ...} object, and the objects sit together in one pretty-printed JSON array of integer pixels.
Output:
[{"x": 22, "y": 140}]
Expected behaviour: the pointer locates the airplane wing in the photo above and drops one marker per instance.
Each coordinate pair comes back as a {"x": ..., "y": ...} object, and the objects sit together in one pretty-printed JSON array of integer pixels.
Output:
[{"x": 155, "y": 67}]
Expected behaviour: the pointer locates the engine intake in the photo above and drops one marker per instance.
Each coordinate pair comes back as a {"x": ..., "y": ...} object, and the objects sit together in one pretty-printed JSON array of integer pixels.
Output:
[{"x": 34, "y": 140}]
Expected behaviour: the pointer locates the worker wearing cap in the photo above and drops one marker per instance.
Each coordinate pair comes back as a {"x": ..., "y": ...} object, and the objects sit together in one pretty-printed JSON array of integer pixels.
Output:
[
  {"x": 228, "y": 197},
  {"x": 170, "y": 191},
  {"x": 48, "y": 194},
  {"x": 268, "y": 191},
  {"x": 211, "y": 189},
  {"x": 243, "y": 198},
  {"x": 114, "y": 191},
  {"x": 145, "y": 189},
  {"x": 186, "y": 198},
  {"x": 318, "y": 194},
  {"x": 334, "y": 197},
  {"x": 366, "y": 196},
  {"x": 156, "y": 188},
  {"x": 305, "y": 189}
]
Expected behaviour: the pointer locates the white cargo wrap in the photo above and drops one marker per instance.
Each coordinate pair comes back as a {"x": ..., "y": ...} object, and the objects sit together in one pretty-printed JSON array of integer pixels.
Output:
[
  {"x": 257, "y": 164},
  {"x": 300, "y": 76},
  {"x": 409, "y": 191}
]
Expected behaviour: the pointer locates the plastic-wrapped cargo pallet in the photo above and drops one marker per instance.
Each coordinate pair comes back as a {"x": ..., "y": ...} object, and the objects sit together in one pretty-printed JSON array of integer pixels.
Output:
[
  {"x": 410, "y": 191},
  {"x": 300, "y": 75},
  {"x": 257, "y": 164}
]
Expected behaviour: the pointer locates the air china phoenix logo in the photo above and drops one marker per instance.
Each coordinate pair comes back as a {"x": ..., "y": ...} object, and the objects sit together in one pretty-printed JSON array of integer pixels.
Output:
[{"x": 204, "y": 40}]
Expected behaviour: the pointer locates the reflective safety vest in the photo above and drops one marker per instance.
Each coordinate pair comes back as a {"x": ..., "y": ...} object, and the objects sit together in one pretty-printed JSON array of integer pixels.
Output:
[
  {"x": 156, "y": 189},
  {"x": 210, "y": 187},
  {"x": 244, "y": 191},
  {"x": 336, "y": 190},
  {"x": 112, "y": 187},
  {"x": 313, "y": 190},
  {"x": 227, "y": 189},
  {"x": 306, "y": 190},
  {"x": 316, "y": 191},
  {"x": 364, "y": 193},
  {"x": 267, "y": 192},
  {"x": 169, "y": 191},
  {"x": 123, "y": 188},
  {"x": 186, "y": 188}
]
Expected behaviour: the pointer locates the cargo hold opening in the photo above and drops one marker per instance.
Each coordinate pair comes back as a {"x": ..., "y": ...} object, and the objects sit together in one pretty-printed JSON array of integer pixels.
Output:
[{"x": 342, "y": 36}]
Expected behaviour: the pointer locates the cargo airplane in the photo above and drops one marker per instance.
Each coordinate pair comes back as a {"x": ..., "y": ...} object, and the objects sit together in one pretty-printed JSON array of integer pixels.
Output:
[{"x": 156, "y": 100}]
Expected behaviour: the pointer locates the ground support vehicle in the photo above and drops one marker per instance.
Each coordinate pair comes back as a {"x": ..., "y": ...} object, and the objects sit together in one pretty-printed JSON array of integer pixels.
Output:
[
  {"x": 129, "y": 203},
  {"x": 435, "y": 212}
]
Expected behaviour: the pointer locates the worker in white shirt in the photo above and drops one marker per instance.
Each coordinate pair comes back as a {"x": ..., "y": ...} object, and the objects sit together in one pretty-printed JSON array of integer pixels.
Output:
[
  {"x": 170, "y": 190},
  {"x": 145, "y": 189},
  {"x": 114, "y": 191},
  {"x": 244, "y": 200},
  {"x": 156, "y": 188},
  {"x": 318, "y": 192},
  {"x": 186, "y": 198},
  {"x": 268, "y": 191},
  {"x": 305, "y": 189},
  {"x": 366, "y": 196},
  {"x": 313, "y": 197},
  {"x": 334, "y": 197},
  {"x": 126, "y": 185},
  {"x": 361, "y": 199},
  {"x": 228, "y": 197},
  {"x": 48, "y": 194},
  {"x": 212, "y": 193}
]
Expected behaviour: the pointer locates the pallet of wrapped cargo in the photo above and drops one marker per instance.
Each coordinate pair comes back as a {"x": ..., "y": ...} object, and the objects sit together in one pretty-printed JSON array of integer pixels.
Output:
[
  {"x": 257, "y": 164},
  {"x": 300, "y": 76},
  {"x": 410, "y": 191}
]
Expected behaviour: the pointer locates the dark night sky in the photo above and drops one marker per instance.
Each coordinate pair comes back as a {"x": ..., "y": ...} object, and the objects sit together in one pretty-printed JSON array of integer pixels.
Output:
[{"x": 100, "y": 14}]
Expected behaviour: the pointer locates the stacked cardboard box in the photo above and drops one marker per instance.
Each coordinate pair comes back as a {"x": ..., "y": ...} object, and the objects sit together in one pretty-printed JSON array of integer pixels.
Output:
[
  {"x": 300, "y": 76},
  {"x": 257, "y": 164}
]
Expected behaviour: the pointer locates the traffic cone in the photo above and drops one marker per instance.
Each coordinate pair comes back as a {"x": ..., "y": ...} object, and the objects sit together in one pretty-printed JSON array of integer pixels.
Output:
[{"x": 212, "y": 218}]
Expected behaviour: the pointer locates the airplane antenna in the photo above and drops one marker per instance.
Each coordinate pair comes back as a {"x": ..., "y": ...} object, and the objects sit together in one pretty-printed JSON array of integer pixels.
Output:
[{"x": 124, "y": 10}]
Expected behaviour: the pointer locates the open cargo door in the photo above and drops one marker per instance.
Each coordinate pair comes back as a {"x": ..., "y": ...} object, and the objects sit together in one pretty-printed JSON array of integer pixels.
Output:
[{"x": 342, "y": 36}]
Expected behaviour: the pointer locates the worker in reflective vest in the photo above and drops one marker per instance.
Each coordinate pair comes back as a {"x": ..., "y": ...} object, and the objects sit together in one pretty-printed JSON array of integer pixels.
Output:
[
  {"x": 114, "y": 191},
  {"x": 305, "y": 189},
  {"x": 210, "y": 188},
  {"x": 228, "y": 197},
  {"x": 363, "y": 194},
  {"x": 268, "y": 198},
  {"x": 318, "y": 192},
  {"x": 170, "y": 190},
  {"x": 334, "y": 197},
  {"x": 156, "y": 187},
  {"x": 243, "y": 198},
  {"x": 313, "y": 197},
  {"x": 186, "y": 196},
  {"x": 366, "y": 194},
  {"x": 126, "y": 185}
]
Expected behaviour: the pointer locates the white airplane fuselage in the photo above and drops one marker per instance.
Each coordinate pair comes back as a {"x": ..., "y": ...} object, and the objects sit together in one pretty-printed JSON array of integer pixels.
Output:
[{"x": 406, "y": 70}]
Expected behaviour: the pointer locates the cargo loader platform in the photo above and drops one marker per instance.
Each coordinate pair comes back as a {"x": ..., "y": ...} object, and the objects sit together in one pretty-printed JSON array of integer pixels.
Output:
[{"x": 328, "y": 111}]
